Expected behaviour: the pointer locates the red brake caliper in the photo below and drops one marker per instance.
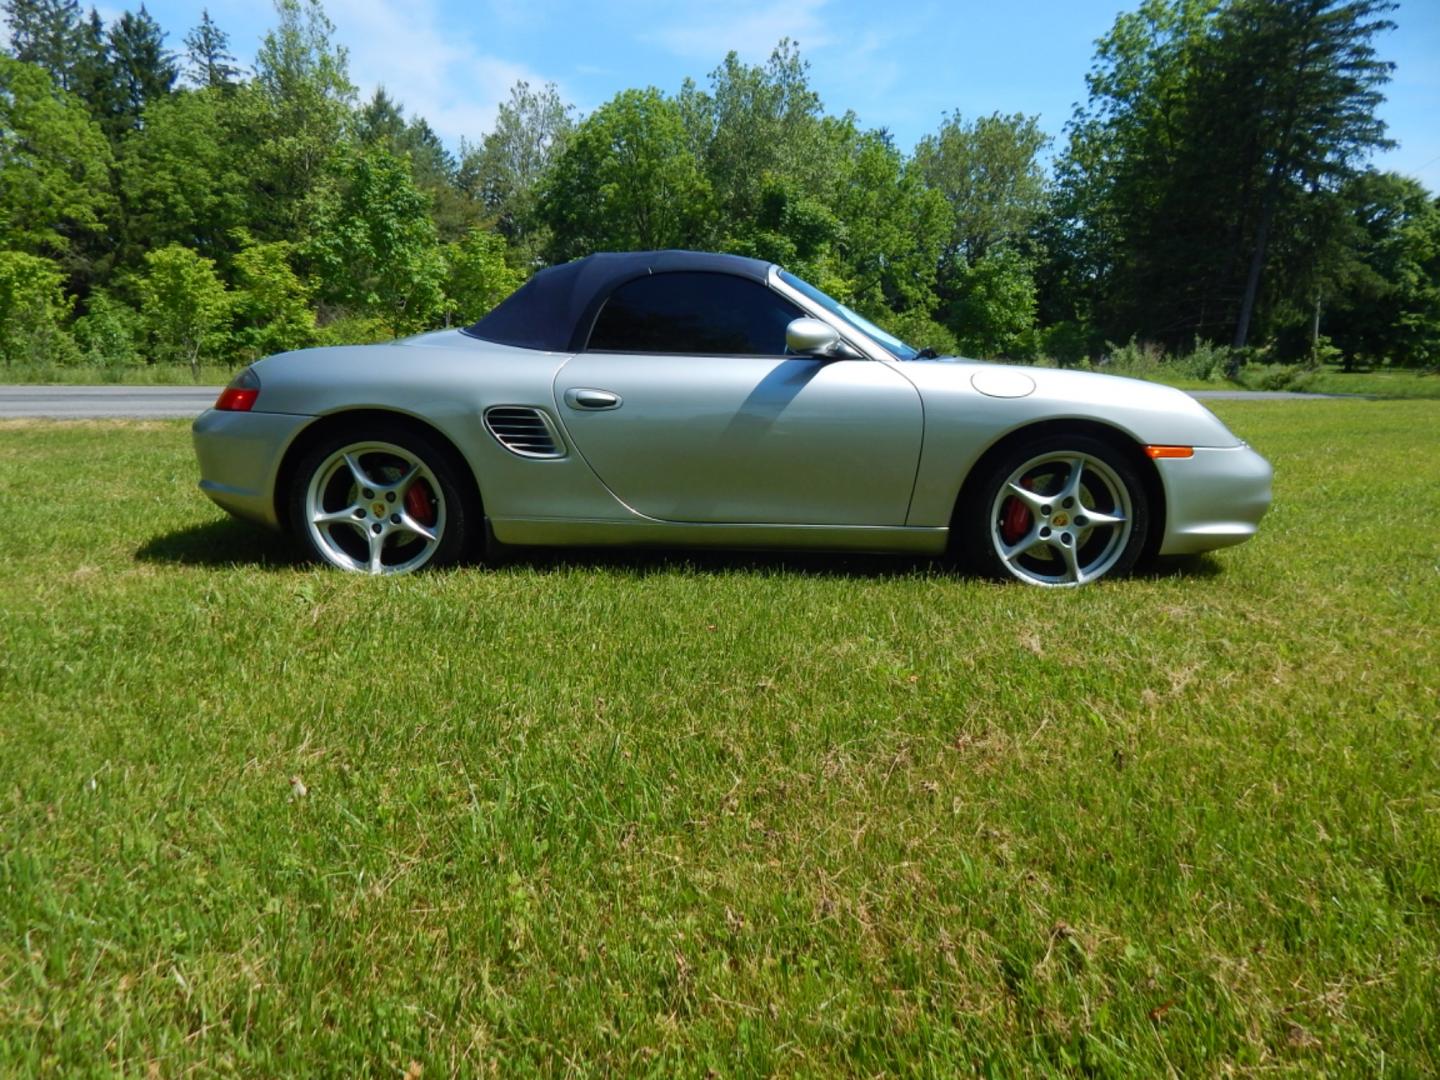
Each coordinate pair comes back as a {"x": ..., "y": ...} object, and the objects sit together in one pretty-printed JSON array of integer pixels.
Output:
[
  {"x": 418, "y": 503},
  {"x": 1015, "y": 517}
]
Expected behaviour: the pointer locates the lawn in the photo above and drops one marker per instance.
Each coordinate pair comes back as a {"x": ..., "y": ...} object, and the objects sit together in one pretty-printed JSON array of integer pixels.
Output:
[{"x": 747, "y": 815}]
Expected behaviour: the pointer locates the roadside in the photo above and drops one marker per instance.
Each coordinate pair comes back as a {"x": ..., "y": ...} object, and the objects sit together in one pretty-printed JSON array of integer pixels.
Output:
[
  {"x": 1329, "y": 381},
  {"x": 186, "y": 402}
]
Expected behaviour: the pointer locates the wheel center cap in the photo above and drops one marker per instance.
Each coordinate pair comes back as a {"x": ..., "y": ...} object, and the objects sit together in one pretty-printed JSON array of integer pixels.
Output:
[
  {"x": 379, "y": 509},
  {"x": 1061, "y": 520}
]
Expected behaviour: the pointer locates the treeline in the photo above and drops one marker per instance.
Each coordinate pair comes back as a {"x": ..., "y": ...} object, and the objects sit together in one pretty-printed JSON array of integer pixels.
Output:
[{"x": 167, "y": 205}]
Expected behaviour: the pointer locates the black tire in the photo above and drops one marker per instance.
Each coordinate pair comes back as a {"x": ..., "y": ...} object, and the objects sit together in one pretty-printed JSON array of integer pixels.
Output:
[
  {"x": 457, "y": 521},
  {"x": 1111, "y": 482}
]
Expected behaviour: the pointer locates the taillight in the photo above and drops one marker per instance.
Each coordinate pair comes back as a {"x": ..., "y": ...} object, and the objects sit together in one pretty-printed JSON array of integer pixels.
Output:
[{"x": 240, "y": 395}]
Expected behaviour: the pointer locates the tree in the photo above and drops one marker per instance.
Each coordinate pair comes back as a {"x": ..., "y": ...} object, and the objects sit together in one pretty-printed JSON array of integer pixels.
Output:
[
  {"x": 375, "y": 248},
  {"x": 992, "y": 313},
  {"x": 180, "y": 179},
  {"x": 758, "y": 126},
  {"x": 381, "y": 122},
  {"x": 46, "y": 33},
  {"x": 144, "y": 71},
  {"x": 1211, "y": 129},
  {"x": 297, "y": 115},
  {"x": 626, "y": 180},
  {"x": 271, "y": 305},
  {"x": 33, "y": 307},
  {"x": 1313, "y": 81},
  {"x": 109, "y": 332},
  {"x": 478, "y": 275},
  {"x": 1390, "y": 311},
  {"x": 184, "y": 306},
  {"x": 207, "y": 52},
  {"x": 504, "y": 172},
  {"x": 989, "y": 172},
  {"x": 54, "y": 164},
  {"x": 894, "y": 228}
]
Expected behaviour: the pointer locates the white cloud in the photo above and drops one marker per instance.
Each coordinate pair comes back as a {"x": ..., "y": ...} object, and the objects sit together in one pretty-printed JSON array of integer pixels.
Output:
[
  {"x": 710, "y": 28},
  {"x": 425, "y": 64}
]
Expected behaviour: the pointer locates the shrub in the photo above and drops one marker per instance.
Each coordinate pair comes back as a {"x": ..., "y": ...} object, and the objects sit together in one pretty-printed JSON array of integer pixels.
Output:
[
  {"x": 108, "y": 333},
  {"x": 185, "y": 306},
  {"x": 33, "y": 308},
  {"x": 271, "y": 305},
  {"x": 477, "y": 275}
]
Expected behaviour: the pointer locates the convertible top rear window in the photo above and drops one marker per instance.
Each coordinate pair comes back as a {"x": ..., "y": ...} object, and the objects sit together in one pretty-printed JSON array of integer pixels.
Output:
[{"x": 555, "y": 309}]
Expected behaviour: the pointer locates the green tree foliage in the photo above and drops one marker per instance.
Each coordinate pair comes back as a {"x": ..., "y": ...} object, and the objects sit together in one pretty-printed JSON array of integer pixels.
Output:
[
  {"x": 180, "y": 179},
  {"x": 109, "y": 332},
  {"x": 1209, "y": 190},
  {"x": 504, "y": 172},
  {"x": 895, "y": 228},
  {"x": 33, "y": 309},
  {"x": 375, "y": 248},
  {"x": 208, "y": 61},
  {"x": 989, "y": 172},
  {"x": 143, "y": 70},
  {"x": 1392, "y": 311},
  {"x": 1209, "y": 130},
  {"x": 626, "y": 180},
  {"x": 381, "y": 122},
  {"x": 297, "y": 116},
  {"x": 54, "y": 164},
  {"x": 993, "y": 310},
  {"x": 48, "y": 34},
  {"x": 185, "y": 307},
  {"x": 756, "y": 126},
  {"x": 478, "y": 275},
  {"x": 271, "y": 307}
]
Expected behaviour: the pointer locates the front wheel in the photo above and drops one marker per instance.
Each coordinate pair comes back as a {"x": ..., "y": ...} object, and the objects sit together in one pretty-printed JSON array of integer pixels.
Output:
[
  {"x": 1065, "y": 510},
  {"x": 386, "y": 502}
]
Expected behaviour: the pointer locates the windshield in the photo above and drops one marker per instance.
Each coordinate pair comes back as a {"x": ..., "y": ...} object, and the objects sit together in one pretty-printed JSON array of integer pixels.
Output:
[{"x": 858, "y": 321}]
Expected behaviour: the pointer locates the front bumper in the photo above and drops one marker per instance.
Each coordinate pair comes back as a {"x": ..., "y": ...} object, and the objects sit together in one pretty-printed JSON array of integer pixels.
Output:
[
  {"x": 240, "y": 455},
  {"x": 1214, "y": 499}
]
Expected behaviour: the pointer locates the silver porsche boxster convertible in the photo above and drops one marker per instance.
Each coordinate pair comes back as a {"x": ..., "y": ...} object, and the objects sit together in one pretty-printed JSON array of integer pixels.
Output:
[{"x": 676, "y": 398}]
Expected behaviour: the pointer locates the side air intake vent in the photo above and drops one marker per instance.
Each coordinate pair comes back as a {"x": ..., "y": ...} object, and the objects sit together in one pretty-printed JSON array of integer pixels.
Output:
[{"x": 523, "y": 431}]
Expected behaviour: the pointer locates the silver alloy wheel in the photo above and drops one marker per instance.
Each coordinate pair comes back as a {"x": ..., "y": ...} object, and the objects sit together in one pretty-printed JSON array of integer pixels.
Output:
[
  {"x": 1076, "y": 517},
  {"x": 361, "y": 509}
]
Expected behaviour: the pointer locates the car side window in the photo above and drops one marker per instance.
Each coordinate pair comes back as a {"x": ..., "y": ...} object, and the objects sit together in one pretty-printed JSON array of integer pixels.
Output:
[{"x": 684, "y": 312}]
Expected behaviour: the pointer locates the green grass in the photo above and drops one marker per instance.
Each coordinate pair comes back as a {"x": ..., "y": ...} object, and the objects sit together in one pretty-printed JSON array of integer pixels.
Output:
[
  {"x": 96, "y": 375},
  {"x": 1377, "y": 383},
  {"x": 718, "y": 815}
]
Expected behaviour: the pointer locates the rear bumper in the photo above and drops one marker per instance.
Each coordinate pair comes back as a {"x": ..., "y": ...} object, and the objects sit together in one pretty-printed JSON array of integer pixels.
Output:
[
  {"x": 1214, "y": 499},
  {"x": 240, "y": 455}
]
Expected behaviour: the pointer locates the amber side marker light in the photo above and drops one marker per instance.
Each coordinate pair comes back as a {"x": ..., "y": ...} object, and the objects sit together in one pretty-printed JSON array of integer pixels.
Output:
[
  {"x": 1170, "y": 451},
  {"x": 240, "y": 395}
]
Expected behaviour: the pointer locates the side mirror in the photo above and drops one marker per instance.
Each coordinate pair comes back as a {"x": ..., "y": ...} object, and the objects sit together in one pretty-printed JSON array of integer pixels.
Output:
[{"x": 811, "y": 337}]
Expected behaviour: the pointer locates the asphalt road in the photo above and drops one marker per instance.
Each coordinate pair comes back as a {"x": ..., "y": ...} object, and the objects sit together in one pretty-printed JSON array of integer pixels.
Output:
[
  {"x": 93, "y": 402},
  {"x": 187, "y": 402}
]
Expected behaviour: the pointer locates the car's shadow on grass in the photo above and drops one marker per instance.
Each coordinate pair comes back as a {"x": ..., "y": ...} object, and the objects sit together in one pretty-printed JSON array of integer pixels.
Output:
[
  {"x": 228, "y": 543},
  {"x": 225, "y": 542},
  {"x": 819, "y": 564}
]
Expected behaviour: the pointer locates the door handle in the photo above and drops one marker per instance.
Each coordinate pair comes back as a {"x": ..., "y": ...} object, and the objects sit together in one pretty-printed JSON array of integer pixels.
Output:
[{"x": 591, "y": 400}]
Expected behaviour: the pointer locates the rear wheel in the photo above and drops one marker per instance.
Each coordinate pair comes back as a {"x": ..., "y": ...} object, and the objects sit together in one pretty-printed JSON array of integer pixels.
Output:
[
  {"x": 1064, "y": 510},
  {"x": 388, "y": 501}
]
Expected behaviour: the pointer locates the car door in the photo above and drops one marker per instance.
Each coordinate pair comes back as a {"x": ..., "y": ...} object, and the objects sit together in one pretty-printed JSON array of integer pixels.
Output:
[{"x": 686, "y": 406}]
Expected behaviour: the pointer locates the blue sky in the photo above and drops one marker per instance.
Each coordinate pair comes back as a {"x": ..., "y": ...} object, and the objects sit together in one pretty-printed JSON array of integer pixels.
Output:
[{"x": 897, "y": 65}]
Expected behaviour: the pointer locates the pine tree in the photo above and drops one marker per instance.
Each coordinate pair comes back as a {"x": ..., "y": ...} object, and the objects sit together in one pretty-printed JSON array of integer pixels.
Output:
[
  {"x": 207, "y": 52},
  {"x": 46, "y": 33},
  {"x": 143, "y": 69}
]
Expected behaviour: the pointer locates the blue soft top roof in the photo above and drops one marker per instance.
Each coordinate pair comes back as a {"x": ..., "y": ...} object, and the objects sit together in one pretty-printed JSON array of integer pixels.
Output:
[{"x": 555, "y": 309}]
